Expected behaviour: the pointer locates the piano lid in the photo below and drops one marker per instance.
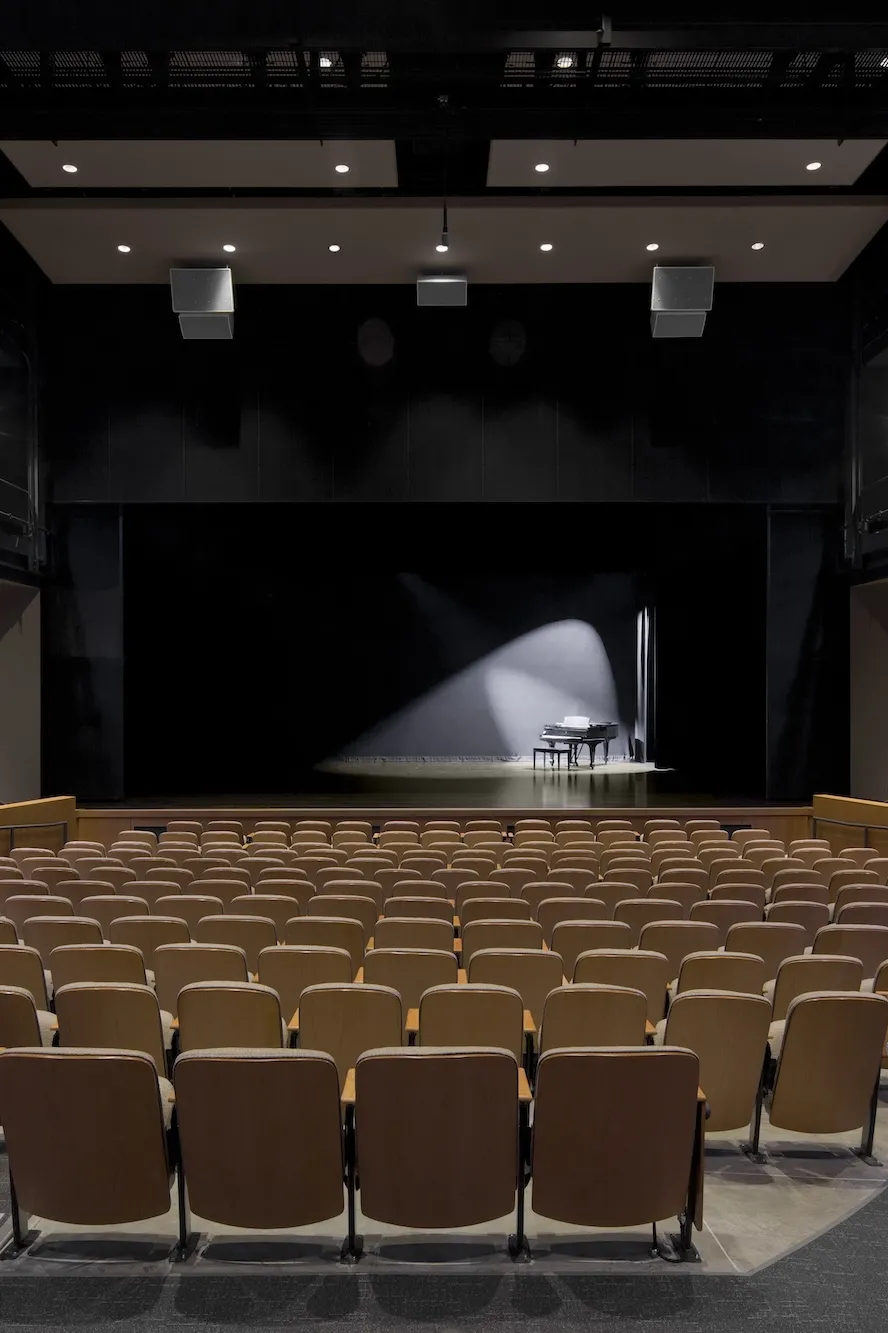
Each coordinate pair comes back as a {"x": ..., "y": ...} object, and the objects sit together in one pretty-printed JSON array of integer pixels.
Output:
[{"x": 576, "y": 722}]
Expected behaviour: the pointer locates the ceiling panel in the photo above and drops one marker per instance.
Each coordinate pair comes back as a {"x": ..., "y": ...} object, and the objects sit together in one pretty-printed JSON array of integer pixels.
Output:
[
  {"x": 286, "y": 241},
  {"x": 678, "y": 163},
  {"x": 118, "y": 164}
]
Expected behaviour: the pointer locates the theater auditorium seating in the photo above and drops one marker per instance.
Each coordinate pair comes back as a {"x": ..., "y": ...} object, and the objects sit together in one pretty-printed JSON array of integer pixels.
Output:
[{"x": 381, "y": 983}]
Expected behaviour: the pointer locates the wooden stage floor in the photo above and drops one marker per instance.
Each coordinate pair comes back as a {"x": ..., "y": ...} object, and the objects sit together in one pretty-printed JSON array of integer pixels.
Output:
[{"x": 466, "y": 786}]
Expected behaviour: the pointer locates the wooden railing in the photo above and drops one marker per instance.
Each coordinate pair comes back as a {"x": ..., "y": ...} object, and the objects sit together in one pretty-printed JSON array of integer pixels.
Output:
[{"x": 847, "y": 822}]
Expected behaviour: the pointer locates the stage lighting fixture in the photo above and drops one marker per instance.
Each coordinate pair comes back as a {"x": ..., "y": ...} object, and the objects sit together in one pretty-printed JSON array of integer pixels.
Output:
[
  {"x": 229, "y": 249},
  {"x": 341, "y": 168},
  {"x": 758, "y": 245},
  {"x": 541, "y": 166},
  {"x": 124, "y": 249},
  {"x": 334, "y": 249},
  {"x": 813, "y": 166},
  {"x": 547, "y": 246},
  {"x": 70, "y": 167}
]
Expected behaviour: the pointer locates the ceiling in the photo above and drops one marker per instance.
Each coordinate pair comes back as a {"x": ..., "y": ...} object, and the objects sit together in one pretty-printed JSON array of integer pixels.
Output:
[
  {"x": 692, "y": 134},
  {"x": 678, "y": 163},
  {"x": 204, "y": 164},
  {"x": 498, "y": 241}
]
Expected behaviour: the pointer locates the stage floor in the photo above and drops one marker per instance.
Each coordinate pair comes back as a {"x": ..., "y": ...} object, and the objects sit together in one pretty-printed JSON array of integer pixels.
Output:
[{"x": 466, "y": 785}]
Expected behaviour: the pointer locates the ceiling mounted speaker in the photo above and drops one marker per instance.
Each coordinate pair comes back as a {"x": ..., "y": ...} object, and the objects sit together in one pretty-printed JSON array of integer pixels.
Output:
[
  {"x": 681, "y": 297},
  {"x": 442, "y": 290},
  {"x": 202, "y": 291},
  {"x": 203, "y": 298},
  {"x": 206, "y": 326}
]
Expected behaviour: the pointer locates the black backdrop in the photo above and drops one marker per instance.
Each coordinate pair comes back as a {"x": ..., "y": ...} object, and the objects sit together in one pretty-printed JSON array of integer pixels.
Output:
[
  {"x": 710, "y": 471},
  {"x": 256, "y": 642}
]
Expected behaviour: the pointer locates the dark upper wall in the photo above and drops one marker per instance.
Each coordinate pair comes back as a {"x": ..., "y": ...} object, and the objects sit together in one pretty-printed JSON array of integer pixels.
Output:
[{"x": 530, "y": 394}]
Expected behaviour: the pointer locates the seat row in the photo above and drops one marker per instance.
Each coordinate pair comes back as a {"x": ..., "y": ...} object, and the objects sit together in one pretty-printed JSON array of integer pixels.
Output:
[{"x": 270, "y": 1139}]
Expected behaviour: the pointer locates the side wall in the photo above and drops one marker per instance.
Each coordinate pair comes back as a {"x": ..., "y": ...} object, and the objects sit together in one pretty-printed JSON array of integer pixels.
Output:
[
  {"x": 19, "y": 692},
  {"x": 869, "y": 691}
]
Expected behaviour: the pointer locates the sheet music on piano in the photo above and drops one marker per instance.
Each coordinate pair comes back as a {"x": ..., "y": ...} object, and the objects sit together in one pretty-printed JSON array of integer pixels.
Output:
[{"x": 575, "y": 732}]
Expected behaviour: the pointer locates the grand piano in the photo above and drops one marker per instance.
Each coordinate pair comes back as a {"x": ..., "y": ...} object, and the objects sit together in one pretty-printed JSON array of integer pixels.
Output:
[{"x": 575, "y": 732}]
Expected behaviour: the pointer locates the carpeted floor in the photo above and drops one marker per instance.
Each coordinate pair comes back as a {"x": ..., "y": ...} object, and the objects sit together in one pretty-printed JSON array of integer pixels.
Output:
[{"x": 836, "y": 1284}]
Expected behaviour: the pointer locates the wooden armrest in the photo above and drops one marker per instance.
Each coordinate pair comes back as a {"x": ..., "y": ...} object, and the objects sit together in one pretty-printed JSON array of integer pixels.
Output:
[
  {"x": 293, "y": 1025},
  {"x": 369, "y": 944},
  {"x": 701, "y": 1096},
  {"x": 462, "y": 977},
  {"x": 529, "y": 1024},
  {"x": 174, "y": 1025},
  {"x": 412, "y": 1024},
  {"x": 348, "y": 1091},
  {"x": 524, "y": 1092},
  {"x": 457, "y": 946},
  {"x": 54, "y": 1025},
  {"x": 359, "y": 975},
  {"x": 172, "y": 1096},
  {"x": 455, "y": 920},
  {"x": 649, "y": 1028}
]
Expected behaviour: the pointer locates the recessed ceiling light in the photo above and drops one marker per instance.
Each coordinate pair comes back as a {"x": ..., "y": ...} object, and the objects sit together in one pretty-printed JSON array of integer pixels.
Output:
[
  {"x": 442, "y": 248},
  {"x": 69, "y": 166},
  {"x": 884, "y": 62},
  {"x": 334, "y": 249},
  {"x": 341, "y": 168},
  {"x": 541, "y": 166},
  {"x": 654, "y": 245},
  {"x": 124, "y": 249},
  {"x": 813, "y": 166},
  {"x": 547, "y": 245},
  {"x": 758, "y": 245},
  {"x": 565, "y": 62},
  {"x": 325, "y": 62},
  {"x": 229, "y": 249}
]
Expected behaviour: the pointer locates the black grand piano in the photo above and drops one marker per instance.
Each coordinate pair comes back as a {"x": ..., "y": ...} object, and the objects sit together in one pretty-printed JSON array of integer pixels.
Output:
[{"x": 574, "y": 732}]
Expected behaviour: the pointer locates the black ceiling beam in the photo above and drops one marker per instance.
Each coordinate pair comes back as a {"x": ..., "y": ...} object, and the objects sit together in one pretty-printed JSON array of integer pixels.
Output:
[
  {"x": 434, "y": 26},
  {"x": 513, "y": 114}
]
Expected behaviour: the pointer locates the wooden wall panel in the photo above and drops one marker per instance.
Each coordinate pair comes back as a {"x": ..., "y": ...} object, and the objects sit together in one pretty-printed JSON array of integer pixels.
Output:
[{"x": 43, "y": 823}]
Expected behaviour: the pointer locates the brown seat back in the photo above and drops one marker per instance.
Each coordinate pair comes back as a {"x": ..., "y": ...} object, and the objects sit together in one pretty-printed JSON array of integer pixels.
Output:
[
  {"x": 180, "y": 965},
  {"x": 801, "y": 893},
  {"x": 552, "y": 911},
  {"x": 103, "y": 1161},
  {"x": 814, "y": 972},
  {"x": 868, "y": 943},
  {"x": 718, "y": 971},
  {"x": 114, "y": 963},
  {"x": 593, "y": 1015},
  {"x": 829, "y": 1061},
  {"x": 728, "y": 1031},
  {"x": 410, "y": 971},
  {"x": 346, "y": 1020},
  {"x": 109, "y": 907},
  {"x": 213, "y": 1014},
  {"x": 26, "y": 906},
  {"x": 472, "y": 1016},
  {"x": 111, "y": 1015},
  {"x": 148, "y": 933},
  {"x": 740, "y": 892},
  {"x": 498, "y": 909},
  {"x": 18, "y": 1018},
  {"x": 21, "y": 966},
  {"x": 289, "y": 969},
  {"x": 860, "y": 893},
  {"x": 724, "y": 913},
  {"x": 772, "y": 941},
  {"x": 531, "y": 972},
  {"x": 45, "y": 933},
  {"x": 573, "y": 937},
  {"x": 351, "y": 907},
  {"x": 676, "y": 939},
  {"x": 499, "y": 934},
  {"x": 273, "y": 1104},
  {"x": 330, "y": 933},
  {"x": 631, "y": 1162},
  {"x": 250, "y": 933},
  {"x": 640, "y": 912},
  {"x": 480, "y": 888},
  {"x": 636, "y": 969},
  {"x": 282, "y": 886},
  {"x": 862, "y": 914},
  {"x": 412, "y": 932},
  {"x": 276, "y": 907},
  {"x": 410, "y": 1099},
  {"x": 579, "y": 879},
  {"x": 437, "y": 909},
  {"x": 810, "y": 916}
]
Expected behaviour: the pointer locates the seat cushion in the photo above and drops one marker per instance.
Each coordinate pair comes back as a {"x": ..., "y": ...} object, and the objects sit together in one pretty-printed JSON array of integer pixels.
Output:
[
  {"x": 48, "y": 1026},
  {"x": 868, "y": 984},
  {"x": 775, "y": 1036},
  {"x": 660, "y": 1033},
  {"x": 167, "y": 1101},
  {"x": 47, "y": 981},
  {"x": 769, "y": 989},
  {"x": 166, "y": 1023}
]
